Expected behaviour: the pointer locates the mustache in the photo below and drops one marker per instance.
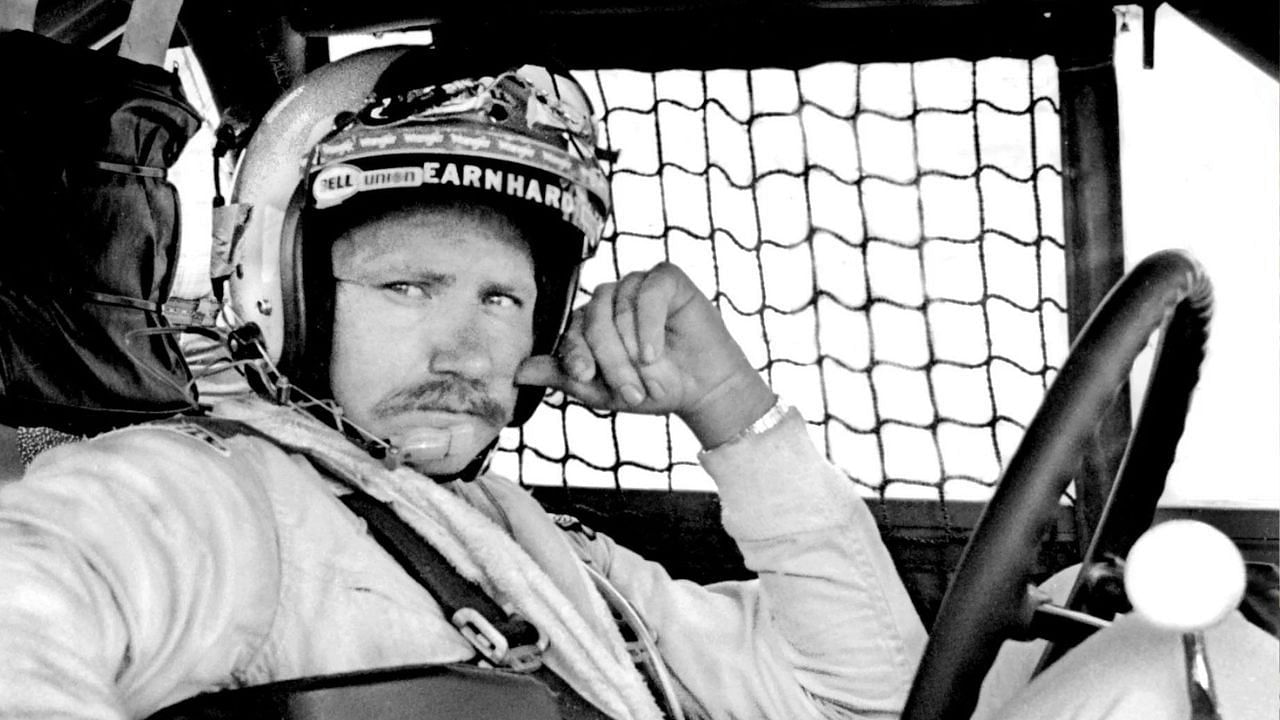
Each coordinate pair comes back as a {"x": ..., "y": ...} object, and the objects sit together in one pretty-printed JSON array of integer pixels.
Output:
[{"x": 449, "y": 394}]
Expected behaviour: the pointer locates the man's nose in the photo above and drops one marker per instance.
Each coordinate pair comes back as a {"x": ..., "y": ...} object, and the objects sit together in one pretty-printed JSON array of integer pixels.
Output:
[{"x": 464, "y": 351}]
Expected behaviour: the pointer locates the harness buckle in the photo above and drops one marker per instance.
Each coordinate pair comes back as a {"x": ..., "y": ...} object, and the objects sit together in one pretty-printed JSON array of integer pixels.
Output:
[{"x": 493, "y": 645}]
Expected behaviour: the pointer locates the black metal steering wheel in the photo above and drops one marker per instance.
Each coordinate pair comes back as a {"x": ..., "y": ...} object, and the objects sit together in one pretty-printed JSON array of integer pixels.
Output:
[{"x": 986, "y": 602}]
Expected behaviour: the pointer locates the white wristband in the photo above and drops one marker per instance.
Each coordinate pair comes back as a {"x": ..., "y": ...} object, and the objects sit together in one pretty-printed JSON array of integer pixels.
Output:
[{"x": 766, "y": 422}]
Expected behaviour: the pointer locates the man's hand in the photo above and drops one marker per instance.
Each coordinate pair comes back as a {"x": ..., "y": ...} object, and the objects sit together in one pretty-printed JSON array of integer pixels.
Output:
[{"x": 653, "y": 343}]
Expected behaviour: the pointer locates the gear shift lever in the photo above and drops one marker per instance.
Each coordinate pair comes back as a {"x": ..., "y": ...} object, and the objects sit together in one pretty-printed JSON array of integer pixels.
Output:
[{"x": 1186, "y": 576}]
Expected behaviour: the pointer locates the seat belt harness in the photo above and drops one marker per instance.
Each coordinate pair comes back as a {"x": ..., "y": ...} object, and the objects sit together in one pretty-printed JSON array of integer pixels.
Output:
[{"x": 502, "y": 638}]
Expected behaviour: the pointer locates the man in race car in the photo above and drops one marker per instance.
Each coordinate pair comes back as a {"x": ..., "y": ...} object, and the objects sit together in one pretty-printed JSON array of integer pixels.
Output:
[
  {"x": 408, "y": 265},
  {"x": 401, "y": 292}
]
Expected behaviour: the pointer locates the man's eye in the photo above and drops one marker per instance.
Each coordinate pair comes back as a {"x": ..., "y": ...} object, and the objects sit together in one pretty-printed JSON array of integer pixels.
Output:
[
  {"x": 501, "y": 299},
  {"x": 408, "y": 290}
]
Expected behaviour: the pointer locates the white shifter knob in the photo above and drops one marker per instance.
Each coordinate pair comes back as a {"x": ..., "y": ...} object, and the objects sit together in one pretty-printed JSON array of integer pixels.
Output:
[{"x": 1184, "y": 575}]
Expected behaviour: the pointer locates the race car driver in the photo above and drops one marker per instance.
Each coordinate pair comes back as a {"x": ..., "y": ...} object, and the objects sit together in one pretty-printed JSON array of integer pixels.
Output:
[{"x": 414, "y": 224}]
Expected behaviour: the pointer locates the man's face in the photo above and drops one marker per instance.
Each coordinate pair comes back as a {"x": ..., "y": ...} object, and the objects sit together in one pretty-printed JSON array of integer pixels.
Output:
[{"x": 433, "y": 314}]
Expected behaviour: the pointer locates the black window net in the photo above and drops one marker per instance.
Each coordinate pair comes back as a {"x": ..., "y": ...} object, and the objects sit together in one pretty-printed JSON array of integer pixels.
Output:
[{"x": 884, "y": 240}]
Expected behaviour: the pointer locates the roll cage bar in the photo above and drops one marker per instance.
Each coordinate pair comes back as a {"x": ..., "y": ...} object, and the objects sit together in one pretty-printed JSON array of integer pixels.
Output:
[{"x": 646, "y": 35}]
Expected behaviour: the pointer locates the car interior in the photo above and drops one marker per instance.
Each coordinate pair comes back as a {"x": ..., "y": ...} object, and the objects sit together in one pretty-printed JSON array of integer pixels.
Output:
[{"x": 910, "y": 214}]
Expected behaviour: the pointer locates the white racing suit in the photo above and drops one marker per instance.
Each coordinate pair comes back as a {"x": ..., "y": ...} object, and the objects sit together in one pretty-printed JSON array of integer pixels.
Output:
[{"x": 152, "y": 564}]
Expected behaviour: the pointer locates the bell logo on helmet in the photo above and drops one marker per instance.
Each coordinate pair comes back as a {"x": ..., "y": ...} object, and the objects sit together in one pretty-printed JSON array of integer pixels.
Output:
[
  {"x": 339, "y": 182},
  {"x": 335, "y": 184}
]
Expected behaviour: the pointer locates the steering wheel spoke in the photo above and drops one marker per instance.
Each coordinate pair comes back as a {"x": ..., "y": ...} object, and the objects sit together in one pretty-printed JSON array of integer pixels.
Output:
[{"x": 1058, "y": 624}]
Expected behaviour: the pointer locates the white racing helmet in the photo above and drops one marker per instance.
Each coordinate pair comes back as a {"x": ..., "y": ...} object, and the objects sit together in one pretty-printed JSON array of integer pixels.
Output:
[{"x": 415, "y": 121}]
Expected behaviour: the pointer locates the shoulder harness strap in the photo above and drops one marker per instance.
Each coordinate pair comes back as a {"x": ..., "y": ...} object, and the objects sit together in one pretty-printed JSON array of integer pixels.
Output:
[{"x": 503, "y": 639}]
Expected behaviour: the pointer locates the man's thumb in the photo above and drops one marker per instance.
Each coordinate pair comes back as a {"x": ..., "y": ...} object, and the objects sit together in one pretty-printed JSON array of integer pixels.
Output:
[{"x": 541, "y": 370}]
